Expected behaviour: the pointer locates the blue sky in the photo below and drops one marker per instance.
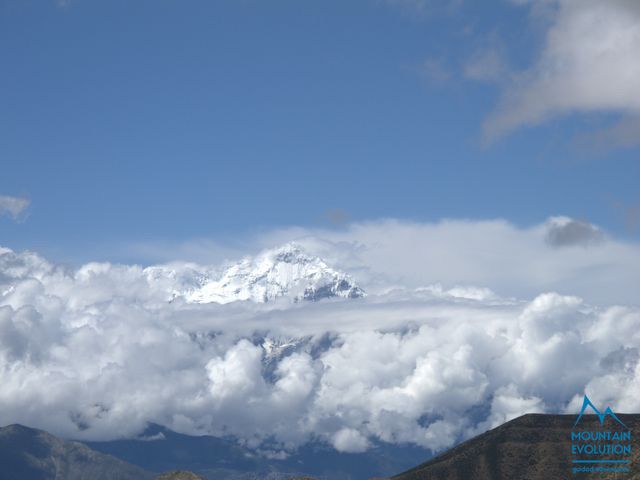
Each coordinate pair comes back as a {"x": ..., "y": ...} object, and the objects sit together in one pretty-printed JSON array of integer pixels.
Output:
[{"x": 163, "y": 121}]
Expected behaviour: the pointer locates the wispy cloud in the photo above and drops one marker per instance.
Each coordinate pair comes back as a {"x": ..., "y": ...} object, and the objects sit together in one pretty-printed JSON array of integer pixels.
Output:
[
  {"x": 13, "y": 207},
  {"x": 425, "y": 8},
  {"x": 488, "y": 64},
  {"x": 435, "y": 71},
  {"x": 623, "y": 134}
]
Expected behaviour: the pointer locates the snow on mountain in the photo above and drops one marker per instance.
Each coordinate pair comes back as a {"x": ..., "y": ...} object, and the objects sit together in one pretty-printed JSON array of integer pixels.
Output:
[
  {"x": 275, "y": 348},
  {"x": 282, "y": 272}
]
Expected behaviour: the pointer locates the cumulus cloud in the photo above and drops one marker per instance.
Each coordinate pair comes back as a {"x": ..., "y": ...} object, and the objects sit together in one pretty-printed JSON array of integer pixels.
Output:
[
  {"x": 507, "y": 404},
  {"x": 588, "y": 63},
  {"x": 98, "y": 351},
  {"x": 13, "y": 206},
  {"x": 350, "y": 440}
]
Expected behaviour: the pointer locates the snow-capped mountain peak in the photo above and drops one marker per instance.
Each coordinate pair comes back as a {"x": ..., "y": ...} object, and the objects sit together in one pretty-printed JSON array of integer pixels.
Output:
[{"x": 284, "y": 271}]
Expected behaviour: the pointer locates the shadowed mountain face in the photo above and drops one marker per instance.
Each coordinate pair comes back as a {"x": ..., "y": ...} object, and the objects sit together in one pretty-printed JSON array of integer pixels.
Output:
[
  {"x": 531, "y": 447},
  {"x": 223, "y": 459},
  {"x": 29, "y": 454},
  {"x": 178, "y": 475}
]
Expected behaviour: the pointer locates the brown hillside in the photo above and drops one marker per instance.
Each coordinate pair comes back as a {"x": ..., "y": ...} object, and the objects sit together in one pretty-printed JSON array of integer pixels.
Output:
[{"x": 531, "y": 447}]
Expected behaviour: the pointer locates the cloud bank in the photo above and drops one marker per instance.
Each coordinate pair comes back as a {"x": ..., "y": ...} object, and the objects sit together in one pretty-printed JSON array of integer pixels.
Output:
[
  {"x": 98, "y": 351},
  {"x": 515, "y": 262}
]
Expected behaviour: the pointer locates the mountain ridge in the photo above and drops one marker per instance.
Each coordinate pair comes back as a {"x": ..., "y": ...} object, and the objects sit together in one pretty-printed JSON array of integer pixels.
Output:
[
  {"x": 222, "y": 458},
  {"x": 285, "y": 271},
  {"x": 31, "y": 454}
]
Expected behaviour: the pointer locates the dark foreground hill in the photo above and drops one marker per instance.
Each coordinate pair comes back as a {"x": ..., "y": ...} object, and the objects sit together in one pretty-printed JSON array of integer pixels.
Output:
[
  {"x": 29, "y": 454},
  {"x": 531, "y": 447}
]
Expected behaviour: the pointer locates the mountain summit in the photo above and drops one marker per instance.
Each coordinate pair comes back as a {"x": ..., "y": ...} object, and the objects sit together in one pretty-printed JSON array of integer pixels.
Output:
[{"x": 286, "y": 271}]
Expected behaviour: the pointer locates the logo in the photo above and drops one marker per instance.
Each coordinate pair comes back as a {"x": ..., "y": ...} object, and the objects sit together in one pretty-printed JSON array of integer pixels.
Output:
[
  {"x": 604, "y": 449},
  {"x": 587, "y": 403}
]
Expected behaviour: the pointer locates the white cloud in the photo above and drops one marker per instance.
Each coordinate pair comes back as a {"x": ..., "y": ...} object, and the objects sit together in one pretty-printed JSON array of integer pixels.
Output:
[
  {"x": 508, "y": 404},
  {"x": 97, "y": 352},
  {"x": 13, "y": 206},
  {"x": 589, "y": 63},
  {"x": 238, "y": 375},
  {"x": 350, "y": 440},
  {"x": 511, "y": 261}
]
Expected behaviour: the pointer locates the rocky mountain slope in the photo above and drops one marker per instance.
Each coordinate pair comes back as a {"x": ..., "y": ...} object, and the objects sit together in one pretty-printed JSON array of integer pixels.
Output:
[
  {"x": 531, "y": 447},
  {"x": 29, "y": 454}
]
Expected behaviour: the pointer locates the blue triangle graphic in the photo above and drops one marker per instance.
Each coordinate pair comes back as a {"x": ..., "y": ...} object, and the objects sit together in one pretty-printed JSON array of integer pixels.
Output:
[{"x": 601, "y": 416}]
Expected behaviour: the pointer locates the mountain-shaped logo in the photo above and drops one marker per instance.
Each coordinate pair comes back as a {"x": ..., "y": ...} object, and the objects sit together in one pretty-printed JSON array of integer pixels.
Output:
[{"x": 601, "y": 415}]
